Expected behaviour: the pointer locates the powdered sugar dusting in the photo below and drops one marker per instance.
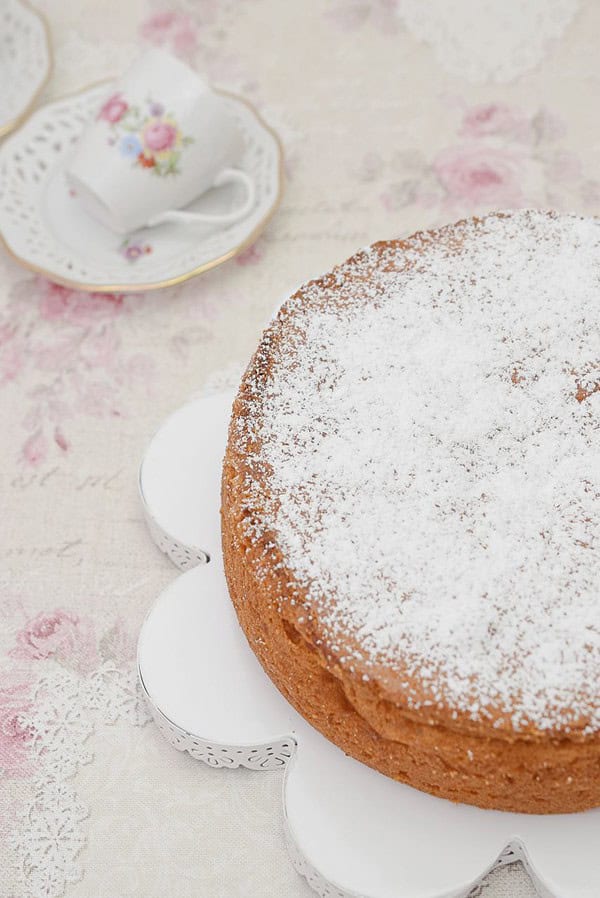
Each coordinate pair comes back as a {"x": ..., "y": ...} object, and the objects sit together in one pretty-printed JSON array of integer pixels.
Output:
[{"x": 428, "y": 464}]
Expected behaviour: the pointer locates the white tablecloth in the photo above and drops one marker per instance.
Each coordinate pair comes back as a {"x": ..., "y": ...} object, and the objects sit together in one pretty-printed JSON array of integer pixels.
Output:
[{"x": 395, "y": 115}]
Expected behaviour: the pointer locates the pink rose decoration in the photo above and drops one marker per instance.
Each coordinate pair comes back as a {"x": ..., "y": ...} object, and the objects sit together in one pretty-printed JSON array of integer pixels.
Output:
[
  {"x": 114, "y": 109},
  {"x": 58, "y": 634},
  {"x": 491, "y": 118},
  {"x": 7, "y": 332},
  {"x": 479, "y": 176},
  {"x": 159, "y": 24},
  {"x": 133, "y": 252},
  {"x": 35, "y": 449},
  {"x": 60, "y": 439},
  {"x": 176, "y": 29},
  {"x": 11, "y": 361},
  {"x": 159, "y": 136},
  {"x": 15, "y": 734},
  {"x": 62, "y": 303},
  {"x": 251, "y": 255}
]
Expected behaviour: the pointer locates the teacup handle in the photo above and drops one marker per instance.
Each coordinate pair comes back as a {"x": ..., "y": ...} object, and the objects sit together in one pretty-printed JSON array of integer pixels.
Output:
[{"x": 227, "y": 176}]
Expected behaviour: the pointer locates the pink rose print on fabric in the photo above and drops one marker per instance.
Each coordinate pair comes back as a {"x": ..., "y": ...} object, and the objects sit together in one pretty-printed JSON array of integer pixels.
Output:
[
  {"x": 479, "y": 176},
  {"x": 252, "y": 255},
  {"x": 160, "y": 135},
  {"x": 68, "y": 344},
  {"x": 15, "y": 734},
  {"x": 173, "y": 29},
  {"x": 64, "y": 304},
  {"x": 61, "y": 635},
  {"x": 60, "y": 439},
  {"x": 505, "y": 158},
  {"x": 114, "y": 109},
  {"x": 491, "y": 118},
  {"x": 35, "y": 449},
  {"x": 187, "y": 36}
]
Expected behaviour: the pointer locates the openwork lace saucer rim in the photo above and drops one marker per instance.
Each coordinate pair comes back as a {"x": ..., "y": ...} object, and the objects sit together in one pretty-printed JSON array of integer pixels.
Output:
[
  {"x": 28, "y": 9},
  {"x": 124, "y": 286}
]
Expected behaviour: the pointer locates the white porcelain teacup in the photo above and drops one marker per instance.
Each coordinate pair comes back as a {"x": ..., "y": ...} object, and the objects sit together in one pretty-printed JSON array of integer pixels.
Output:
[{"x": 160, "y": 140}]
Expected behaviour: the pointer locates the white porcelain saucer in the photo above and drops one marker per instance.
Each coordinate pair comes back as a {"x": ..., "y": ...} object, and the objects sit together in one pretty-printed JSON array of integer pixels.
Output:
[
  {"x": 352, "y": 832},
  {"x": 45, "y": 228},
  {"x": 25, "y": 61}
]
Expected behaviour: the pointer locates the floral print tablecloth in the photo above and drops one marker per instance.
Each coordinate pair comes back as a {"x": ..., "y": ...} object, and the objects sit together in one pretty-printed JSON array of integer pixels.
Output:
[{"x": 395, "y": 115}]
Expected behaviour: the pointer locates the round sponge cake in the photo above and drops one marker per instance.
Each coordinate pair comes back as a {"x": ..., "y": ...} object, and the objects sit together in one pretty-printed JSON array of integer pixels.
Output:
[{"x": 411, "y": 509}]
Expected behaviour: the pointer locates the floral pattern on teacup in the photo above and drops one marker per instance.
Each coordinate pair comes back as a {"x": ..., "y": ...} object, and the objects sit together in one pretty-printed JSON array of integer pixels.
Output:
[
  {"x": 132, "y": 250},
  {"x": 149, "y": 136}
]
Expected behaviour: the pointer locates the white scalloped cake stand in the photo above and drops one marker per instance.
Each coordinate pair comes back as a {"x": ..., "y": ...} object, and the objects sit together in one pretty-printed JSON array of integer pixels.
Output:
[{"x": 350, "y": 830}]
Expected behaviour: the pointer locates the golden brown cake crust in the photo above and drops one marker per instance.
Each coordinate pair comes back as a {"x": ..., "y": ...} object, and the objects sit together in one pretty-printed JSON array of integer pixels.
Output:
[{"x": 436, "y": 747}]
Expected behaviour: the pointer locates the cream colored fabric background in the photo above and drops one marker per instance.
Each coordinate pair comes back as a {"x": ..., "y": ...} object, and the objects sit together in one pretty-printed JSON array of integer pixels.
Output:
[{"x": 395, "y": 115}]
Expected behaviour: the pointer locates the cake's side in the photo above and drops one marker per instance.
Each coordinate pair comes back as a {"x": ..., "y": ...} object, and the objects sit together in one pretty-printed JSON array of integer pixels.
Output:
[
  {"x": 520, "y": 775},
  {"x": 435, "y": 747}
]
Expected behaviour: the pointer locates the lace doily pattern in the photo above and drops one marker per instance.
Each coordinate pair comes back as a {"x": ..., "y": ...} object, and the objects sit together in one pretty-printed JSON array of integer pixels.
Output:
[
  {"x": 488, "y": 40},
  {"x": 24, "y": 61},
  {"x": 63, "y": 716}
]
